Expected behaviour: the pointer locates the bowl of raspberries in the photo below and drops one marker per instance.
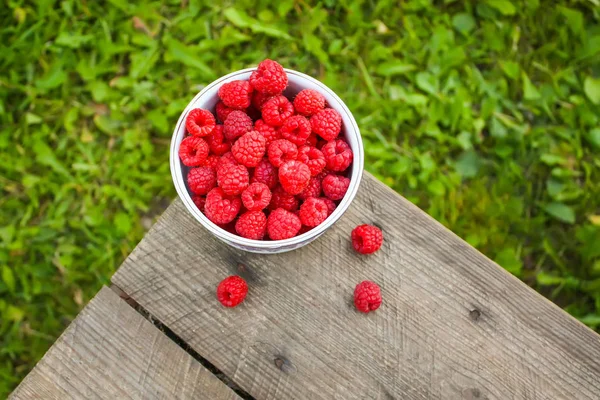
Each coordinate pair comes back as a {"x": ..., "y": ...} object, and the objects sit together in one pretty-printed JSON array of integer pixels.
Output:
[{"x": 266, "y": 158}]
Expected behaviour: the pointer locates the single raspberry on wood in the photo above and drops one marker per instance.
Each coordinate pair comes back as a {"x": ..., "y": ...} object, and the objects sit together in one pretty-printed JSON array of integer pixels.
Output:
[
  {"x": 225, "y": 161},
  {"x": 199, "y": 201},
  {"x": 216, "y": 141},
  {"x": 223, "y": 111},
  {"x": 296, "y": 129},
  {"x": 259, "y": 98},
  {"x": 366, "y": 239},
  {"x": 283, "y": 224},
  {"x": 312, "y": 157},
  {"x": 252, "y": 225},
  {"x": 282, "y": 199},
  {"x": 367, "y": 296},
  {"x": 276, "y": 110},
  {"x": 220, "y": 208},
  {"x": 232, "y": 291},
  {"x": 236, "y": 94},
  {"x": 233, "y": 179},
  {"x": 294, "y": 176},
  {"x": 330, "y": 205},
  {"x": 200, "y": 122},
  {"x": 193, "y": 151},
  {"x": 313, "y": 212},
  {"x": 312, "y": 190},
  {"x": 265, "y": 173},
  {"x": 338, "y": 155},
  {"x": 237, "y": 124},
  {"x": 201, "y": 180},
  {"x": 281, "y": 151},
  {"x": 269, "y": 77},
  {"x": 269, "y": 132},
  {"x": 256, "y": 197},
  {"x": 249, "y": 149},
  {"x": 309, "y": 102},
  {"x": 335, "y": 186},
  {"x": 326, "y": 123}
]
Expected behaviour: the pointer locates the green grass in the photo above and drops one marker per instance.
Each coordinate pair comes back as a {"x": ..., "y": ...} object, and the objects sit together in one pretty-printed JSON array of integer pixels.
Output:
[{"x": 486, "y": 114}]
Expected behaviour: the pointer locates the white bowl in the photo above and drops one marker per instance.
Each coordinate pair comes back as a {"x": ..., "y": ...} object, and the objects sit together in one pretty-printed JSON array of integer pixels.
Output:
[{"x": 207, "y": 99}]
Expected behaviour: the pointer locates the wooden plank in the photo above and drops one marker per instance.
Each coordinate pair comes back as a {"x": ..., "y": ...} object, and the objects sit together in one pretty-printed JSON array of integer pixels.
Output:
[
  {"x": 453, "y": 324},
  {"x": 111, "y": 352}
]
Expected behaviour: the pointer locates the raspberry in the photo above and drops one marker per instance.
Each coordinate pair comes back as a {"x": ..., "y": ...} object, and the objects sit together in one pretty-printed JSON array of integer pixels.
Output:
[
  {"x": 294, "y": 176},
  {"x": 312, "y": 140},
  {"x": 249, "y": 149},
  {"x": 313, "y": 211},
  {"x": 335, "y": 186},
  {"x": 366, "y": 239},
  {"x": 280, "y": 151},
  {"x": 223, "y": 111},
  {"x": 330, "y": 205},
  {"x": 233, "y": 179},
  {"x": 296, "y": 129},
  {"x": 252, "y": 225},
  {"x": 259, "y": 98},
  {"x": 225, "y": 161},
  {"x": 236, "y": 94},
  {"x": 312, "y": 157},
  {"x": 367, "y": 296},
  {"x": 338, "y": 155},
  {"x": 309, "y": 102},
  {"x": 282, "y": 199},
  {"x": 283, "y": 224},
  {"x": 193, "y": 151},
  {"x": 200, "y": 122},
  {"x": 216, "y": 141},
  {"x": 326, "y": 123},
  {"x": 220, "y": 208},
  {"x": 256, "y": 197},
  {"x": 211, "y": 161},
  {"x": 269, "y": 77},
  {"x": 232, "y": 291},
  {"x": 265, "y": 173},
  {"x": 201, "y": 180},
  {"x": 199, "y": 201},
  {"x": 276, "y": 110},
  {"x": 312, "y": 190},
  {"x": 269, "y": 132},
  {"x": 236, "y": 124}
]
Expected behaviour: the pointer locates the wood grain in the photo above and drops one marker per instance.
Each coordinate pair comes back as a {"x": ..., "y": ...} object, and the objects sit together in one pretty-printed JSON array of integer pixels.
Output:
[
  {"x": 111, "y": 352},
  {"x": 453, "y": 324}
]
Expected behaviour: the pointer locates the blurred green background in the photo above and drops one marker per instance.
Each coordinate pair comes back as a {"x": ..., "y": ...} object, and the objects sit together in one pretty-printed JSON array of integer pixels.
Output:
[{"x": 486, "y": 114}]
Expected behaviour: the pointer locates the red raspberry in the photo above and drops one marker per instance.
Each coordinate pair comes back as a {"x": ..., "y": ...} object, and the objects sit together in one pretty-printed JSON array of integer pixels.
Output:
[
  {"x": 269, "y": 132},
  {"x": 283, "y": 224},
  {"x": 199, "y": 201},
  {"x": 201, "y": 180},
  {"x": 236, "y": 94},
  {"x": 200, "y": 122},
  {"x": 223, "y": 111},
  {"x": 193, "y": 151},
  {"x": 330, "y": 205},
  {"x": 367, "y": 239},
  {"x": 335, "y": 186},
  {"x": 249, "y": 149},
  {"x": 265, "y": 173},
  {"x": 313, "y": 211},
  {"x": 236, "y": 124},
  {"x": 220, "y": 208},
  {"x": 216, "y": 141},
  {"x": 326, "y": 123},
  {"x": 312, "y": 190},
  {"x": 225, "y": 161},
  {"x": 282, "y": 199},
  {"x": 338, "y": 155},
  {"x": 312, "y": 157},
  {"x": 232, "y": 291},
  {"x": 259, "y": 98},
  {"x": 269, "y": 77},
  {"x": 312, "y": 140},
  {"x": 296, "y": 129},
  {"x": 367, "y": 296},
  {"x": 280, "y": 151},
  {"x": 276, "y": 110},
  {"x": 252, "y": 225},
  {"x": 309, "y": 102},
  {"x": 211, "y": 161},
  {"x": 256, "y": 197},
  {"x": 294, "y": 176},
  {"x": 233, "y": 179}
]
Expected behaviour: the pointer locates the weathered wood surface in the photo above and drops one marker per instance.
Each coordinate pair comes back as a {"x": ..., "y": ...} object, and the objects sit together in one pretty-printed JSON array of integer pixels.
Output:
[
  {"x": 111, "y": 352},
  {"x": 453, "y": 324}
]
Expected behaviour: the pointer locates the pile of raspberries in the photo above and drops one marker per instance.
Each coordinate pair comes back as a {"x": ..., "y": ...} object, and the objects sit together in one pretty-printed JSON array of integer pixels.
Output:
[{"x": 273, "y": 168}]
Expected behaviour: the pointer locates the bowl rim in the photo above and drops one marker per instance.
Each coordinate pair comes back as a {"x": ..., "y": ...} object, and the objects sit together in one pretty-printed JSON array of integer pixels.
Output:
[{"x": 355, "y": 179}]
